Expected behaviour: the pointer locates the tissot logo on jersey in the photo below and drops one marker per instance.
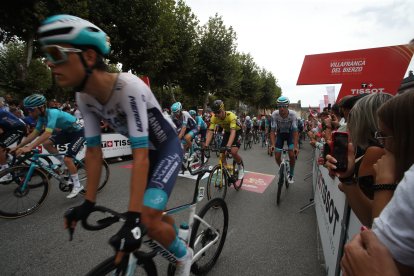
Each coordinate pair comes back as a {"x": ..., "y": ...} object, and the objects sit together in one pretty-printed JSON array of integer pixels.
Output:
[{"x": 134, "y": 107}]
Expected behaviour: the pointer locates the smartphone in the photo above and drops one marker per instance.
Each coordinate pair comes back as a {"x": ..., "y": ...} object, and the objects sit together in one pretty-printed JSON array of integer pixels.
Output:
[{"x": 340, "y": 150}]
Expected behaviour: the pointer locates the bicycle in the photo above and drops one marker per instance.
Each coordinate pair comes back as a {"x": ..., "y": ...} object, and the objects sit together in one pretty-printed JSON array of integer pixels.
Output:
[
  {"x": 205, "y": 236},
  {"x": 283, "y": 175},
  {"x": 29, "y": 185},
  {"x": 248, "y": 141},
  {"x": 223, "y": 175}
]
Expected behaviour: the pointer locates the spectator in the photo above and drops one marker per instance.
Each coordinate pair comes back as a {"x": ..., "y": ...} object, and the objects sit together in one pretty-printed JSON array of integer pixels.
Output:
[
  {"x": 357, "y": 182},
  {"x": 53, "y": 103},
  {"x": 395, "y": 225}
]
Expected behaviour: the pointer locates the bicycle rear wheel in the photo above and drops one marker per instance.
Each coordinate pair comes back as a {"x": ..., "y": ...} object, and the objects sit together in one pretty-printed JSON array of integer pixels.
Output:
[
  {"x": 280, "y": 182},
  {"x": 239, "y": 182},
  {"x": 15, "y": 202},
  {"x": 80, "y": 165},
  {"x": 107, "y": 267},
  {"x": 214, "y": 213},
  {"x": 216, "y": 183}
]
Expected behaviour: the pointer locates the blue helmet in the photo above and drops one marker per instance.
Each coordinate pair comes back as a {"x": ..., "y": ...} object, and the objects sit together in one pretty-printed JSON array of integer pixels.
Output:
[
  {"x": 192, "y": 112},
  {"x": 282, "y": 100},
  {"x": 34, "y": 100},
  {"x": 64, "y": 28},
  {"x": 176, "y": 107}
]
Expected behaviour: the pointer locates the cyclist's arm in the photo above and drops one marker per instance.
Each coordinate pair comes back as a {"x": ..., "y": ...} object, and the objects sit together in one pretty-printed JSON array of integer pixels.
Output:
[
  {"x": 29, "y": 138},
  {"x": 42, "y": 138},
  {"x": 211, "y": 131},
  {"x": 93, "y": 159},
  {"x": 182, "y": 131},
  {"x": 139, "y": 178}
]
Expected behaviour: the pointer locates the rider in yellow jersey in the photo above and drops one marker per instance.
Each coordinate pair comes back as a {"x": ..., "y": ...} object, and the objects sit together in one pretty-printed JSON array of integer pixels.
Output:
[{"x": 232, "y": 132}]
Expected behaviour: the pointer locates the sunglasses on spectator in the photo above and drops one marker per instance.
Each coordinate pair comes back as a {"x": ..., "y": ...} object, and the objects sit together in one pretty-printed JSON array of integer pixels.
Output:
[
  {"x": 380, "y": 137},
  {"x": 282, "y": 106},
  {"x": 56, "y": 54}
]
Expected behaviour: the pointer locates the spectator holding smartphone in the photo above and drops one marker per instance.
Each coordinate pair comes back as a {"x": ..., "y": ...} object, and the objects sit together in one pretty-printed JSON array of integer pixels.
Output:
[{"x": 358, "y": 180}]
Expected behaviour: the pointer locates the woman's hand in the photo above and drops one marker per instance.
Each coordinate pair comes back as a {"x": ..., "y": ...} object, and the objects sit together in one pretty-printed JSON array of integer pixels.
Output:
[{"x": 331, "y": 163}]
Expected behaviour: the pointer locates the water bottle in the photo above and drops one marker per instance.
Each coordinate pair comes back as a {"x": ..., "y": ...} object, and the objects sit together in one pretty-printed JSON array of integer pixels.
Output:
[
  {"x": 230, "y": 168},
  {"x": 183, "y": 232}
]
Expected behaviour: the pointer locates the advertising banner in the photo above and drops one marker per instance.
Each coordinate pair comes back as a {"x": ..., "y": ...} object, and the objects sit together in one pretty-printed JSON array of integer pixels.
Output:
[
  {"x": 330, "y": 210},
  {"x": 360, "y": 71}
]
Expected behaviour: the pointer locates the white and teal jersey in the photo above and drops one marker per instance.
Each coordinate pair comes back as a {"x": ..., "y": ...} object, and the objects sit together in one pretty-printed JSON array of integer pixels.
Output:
[
  {"x": 56, "y": 118},
  {"x": 131, "y": 111},
  {"x": 284, "y": 125}
]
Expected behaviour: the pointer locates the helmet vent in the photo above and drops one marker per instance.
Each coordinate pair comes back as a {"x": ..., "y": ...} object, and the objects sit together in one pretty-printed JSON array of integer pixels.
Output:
[
  {"x": 95, "y": 30},
  {"x": 60, "y": 31}
]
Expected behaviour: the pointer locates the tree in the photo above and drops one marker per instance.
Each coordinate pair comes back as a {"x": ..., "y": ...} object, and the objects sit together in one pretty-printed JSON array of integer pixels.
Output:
[{"x": 37, "y": 76}]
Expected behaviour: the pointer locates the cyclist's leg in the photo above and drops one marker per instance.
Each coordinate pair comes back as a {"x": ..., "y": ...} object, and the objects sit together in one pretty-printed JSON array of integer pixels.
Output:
[
  {"x": 164, "y": 168},
  {"x": 235, "y": 152},
  {"x": 280, "y": 140},
  {"x": 292, "y": 158},
  {"x": 76, "y": 142},
  {"x": 49, "y": 145}
]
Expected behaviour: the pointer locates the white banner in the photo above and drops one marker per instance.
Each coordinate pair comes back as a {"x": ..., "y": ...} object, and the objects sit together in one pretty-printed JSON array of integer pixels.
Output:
[
  {"x": 113, "y": 145},
  {"x": 331, "y": 94},
  {"x": 330, "y": 211},
  {"x": 321, "y": 105}
]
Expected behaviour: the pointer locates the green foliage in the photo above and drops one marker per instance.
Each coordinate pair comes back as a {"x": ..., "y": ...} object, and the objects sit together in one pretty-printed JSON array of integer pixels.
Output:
[
  {"x": 12, "y": 74},
  {"x": 161, "y": 39}
]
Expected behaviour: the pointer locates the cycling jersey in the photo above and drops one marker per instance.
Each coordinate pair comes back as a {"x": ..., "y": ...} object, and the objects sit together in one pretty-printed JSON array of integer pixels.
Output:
[
  {"x": 284, "y": 125},
  {"x": 262, "y": 124},
  {"x": 8, "y": 121},
  {"x": 56, "y": 118},
  {"x": 248, "y": 123},
  {"x": 201, "y": 123},
  {"x": 228, "y": 123},
  {"x": 134, "y": 112},
  {"x": 187, "y": 120}
]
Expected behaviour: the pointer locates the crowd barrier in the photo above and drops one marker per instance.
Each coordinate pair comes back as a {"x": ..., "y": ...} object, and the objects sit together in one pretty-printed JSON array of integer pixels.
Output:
[{"x": 336, "y": 222}]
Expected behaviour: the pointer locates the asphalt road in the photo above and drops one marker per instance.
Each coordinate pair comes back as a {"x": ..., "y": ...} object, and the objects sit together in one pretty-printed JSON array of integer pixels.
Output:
[{"x": 263, "y": 239}]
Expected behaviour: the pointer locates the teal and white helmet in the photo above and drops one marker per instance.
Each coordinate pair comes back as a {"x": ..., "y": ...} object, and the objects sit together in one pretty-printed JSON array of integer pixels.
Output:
[
  {"x": 64, "y": 28},
  {"x": 192, "y": 112},
  {"x": 282, "y": 100},
  {"x": 34, "y": 100},
  {"x": 176, "y": 107}
]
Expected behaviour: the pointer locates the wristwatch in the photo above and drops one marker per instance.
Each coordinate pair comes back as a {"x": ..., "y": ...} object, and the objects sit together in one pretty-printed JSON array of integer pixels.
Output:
[{"x": 385, "y": 187}]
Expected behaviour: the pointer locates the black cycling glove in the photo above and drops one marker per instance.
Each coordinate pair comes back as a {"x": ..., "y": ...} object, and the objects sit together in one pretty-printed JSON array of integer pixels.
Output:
[
  {"x": 77, "y": 213},
  {"x": 130, "y": 235}
]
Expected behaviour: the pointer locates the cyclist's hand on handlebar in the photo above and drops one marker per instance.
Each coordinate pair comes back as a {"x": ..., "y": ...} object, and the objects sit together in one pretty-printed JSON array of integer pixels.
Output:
[
  {"x": 23, "y": 150},
  {"x": 129, "y": 237},
  {"x": 74, "y": 214}
]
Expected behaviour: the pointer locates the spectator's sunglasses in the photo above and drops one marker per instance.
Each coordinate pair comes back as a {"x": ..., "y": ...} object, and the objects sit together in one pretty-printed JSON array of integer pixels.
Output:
[
  {"x": 380, "y": 137},
  {"x": 57, "y": 55},
  {"x": 282, "y": 106}
]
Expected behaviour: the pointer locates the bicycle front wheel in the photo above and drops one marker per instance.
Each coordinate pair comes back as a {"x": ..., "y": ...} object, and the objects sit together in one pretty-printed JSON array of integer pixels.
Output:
[
  {"x": 16, "y": 202},
  {"x": 280, "y": 182},
  {"x": 108, "y": 267},
  {"x": 83, "y": 176},
  {"x": 238, "y": 182},
  {"x": 216, "y": 183},
  {"x": 209, "y": 232}
]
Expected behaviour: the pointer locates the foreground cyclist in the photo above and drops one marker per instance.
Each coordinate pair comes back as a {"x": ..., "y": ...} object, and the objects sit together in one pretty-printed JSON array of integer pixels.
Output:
[
  {"x": 284, "y": 127},
  {"x": 60, "y": 128},
  {"x": 128, "y": 105},
  {"x": 232, "y": 132}
]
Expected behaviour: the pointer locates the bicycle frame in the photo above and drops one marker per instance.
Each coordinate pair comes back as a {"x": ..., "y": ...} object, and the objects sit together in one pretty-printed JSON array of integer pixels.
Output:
[
  {"x": 35, "y": 163},
  {"x": 160, "y": 250},
  {"x": 285, "y": 161}
]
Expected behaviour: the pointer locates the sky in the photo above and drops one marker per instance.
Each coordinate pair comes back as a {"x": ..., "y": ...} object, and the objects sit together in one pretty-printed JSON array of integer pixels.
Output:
[{"x": 279, "y": 33}]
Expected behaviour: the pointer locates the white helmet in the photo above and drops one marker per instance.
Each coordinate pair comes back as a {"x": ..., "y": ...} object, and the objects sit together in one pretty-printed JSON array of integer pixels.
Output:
[{"x": 248, "y": 118}]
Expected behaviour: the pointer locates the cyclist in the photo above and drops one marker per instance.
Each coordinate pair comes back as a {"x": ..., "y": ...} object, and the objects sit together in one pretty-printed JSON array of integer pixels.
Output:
[
  {"x": 262, "y": 127},
  {"x": 188, "y": 126},
  {"x": 232, "y": 132},
  {"x": 284, "y": 123},
  {"x": 60, "y": 128},
  {"x": 247, "y": 126},
  {"x": 255, "y": 126},
  {"x": 75, "y": 49},
  {"x": 201, "y": 125},
  {"x": 12, "y": 130}
]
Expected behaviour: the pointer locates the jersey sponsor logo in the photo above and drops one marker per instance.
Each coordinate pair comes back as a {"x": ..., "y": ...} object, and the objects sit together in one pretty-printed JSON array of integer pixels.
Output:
[
  {"x": 134, "y": 107},
  {"x": 155, "y": 126},
  {"x": 161, "y": 251}
]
